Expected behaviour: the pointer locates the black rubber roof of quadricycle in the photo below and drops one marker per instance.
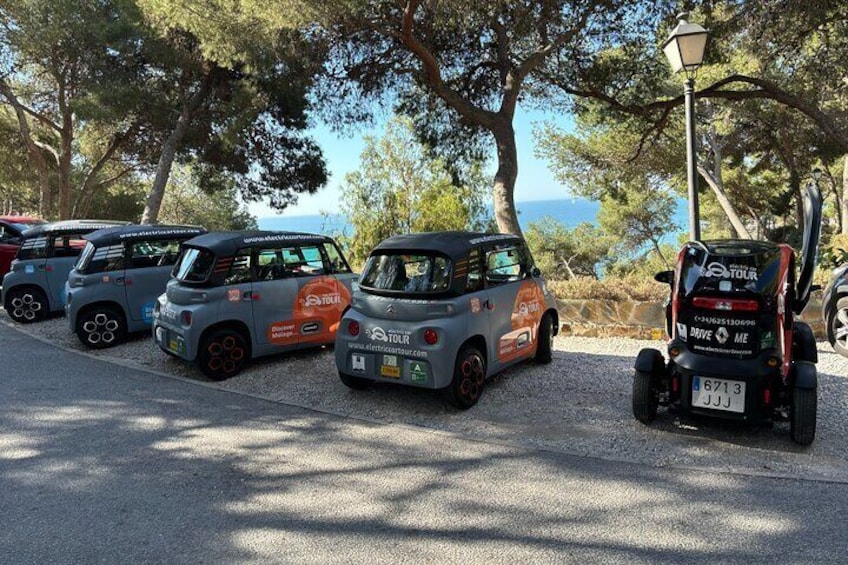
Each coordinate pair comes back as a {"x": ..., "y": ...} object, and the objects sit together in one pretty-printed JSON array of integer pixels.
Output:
[
  {"x": 224, "y": 244},
  {"x": 454, "y": 244},
  {"x": 117, "y": 234},
  {"x": 70, "y": 226}
]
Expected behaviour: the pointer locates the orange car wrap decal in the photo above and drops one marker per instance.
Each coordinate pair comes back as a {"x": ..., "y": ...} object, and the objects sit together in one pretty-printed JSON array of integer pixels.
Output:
[
  {"x": 526, "y": 314},
  {"x": 282, "y": 333},
  {"x": 318, "y": 309}
]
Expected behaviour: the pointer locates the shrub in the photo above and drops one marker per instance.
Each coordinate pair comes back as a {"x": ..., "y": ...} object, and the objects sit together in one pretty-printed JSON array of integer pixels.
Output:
[{"x": 616, "y": 289}]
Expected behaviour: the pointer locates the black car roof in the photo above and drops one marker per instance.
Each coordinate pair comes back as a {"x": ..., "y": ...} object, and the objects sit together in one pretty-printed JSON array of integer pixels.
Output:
[
  {"x": 454, "y": 244},
  {"x": 225, "y": 244},
  {"x": 69, "y": 226},
  {"x": 117, "y": 234}
]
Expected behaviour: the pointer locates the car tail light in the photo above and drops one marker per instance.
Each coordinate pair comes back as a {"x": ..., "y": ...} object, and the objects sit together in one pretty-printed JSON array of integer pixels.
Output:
[
  {"x": 767, "y": 396},
  {"x": 674, "y": 351},
  {"x": 186, "y": 316},
  {"x": 773, "y": 362},
  {"x": 431, "y": 337},
  {"x": 353, "y": 328},
  {"x": 726, "y": 304}
]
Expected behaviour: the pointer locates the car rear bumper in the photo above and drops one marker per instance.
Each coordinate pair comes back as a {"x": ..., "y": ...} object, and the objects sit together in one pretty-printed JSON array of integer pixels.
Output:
[{"x": 763, "y": 383}]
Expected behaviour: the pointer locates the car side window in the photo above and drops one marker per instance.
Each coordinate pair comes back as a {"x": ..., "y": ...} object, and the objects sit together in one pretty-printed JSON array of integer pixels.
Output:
[
  {"x": 153, "y": 253},
  {"x": 505, "y": 265},
  {"x": 68, "y": 245},
  {"x": 240, "y": 268},
  {"x": 337, "y": 262},
  {"x": 108, "y": 258},
  {"x": 304, "y": 261},
  {"x": 474, "y": 279},
  {"x": 8, "y": 236},
  {"x": 270, "y": 265}
]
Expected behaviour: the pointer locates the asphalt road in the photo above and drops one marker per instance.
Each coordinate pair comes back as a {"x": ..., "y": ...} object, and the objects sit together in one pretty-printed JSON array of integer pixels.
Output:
[{"x": 100, "y": 463}]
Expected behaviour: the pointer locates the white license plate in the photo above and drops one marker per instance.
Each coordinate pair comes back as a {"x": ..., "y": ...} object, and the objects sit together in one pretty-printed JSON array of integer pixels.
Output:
[{"x": 718, "y": 394}]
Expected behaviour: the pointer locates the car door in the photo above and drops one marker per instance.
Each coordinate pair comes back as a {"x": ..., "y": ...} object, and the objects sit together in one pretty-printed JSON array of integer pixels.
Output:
[
  {"x": 62, "y": 256},
  {"x": 515, "y": 304},
  {"x": 321, "y": 296},
  {"x": 10, "y": 241},
  {"x": 273, "y": 294},
  {"x": 149, "y": 266}
]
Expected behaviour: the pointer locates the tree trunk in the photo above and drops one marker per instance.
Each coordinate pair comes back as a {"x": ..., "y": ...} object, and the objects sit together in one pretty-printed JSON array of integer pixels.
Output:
[
  {"x": 163, "y": 169},
  {"x": 66, "y": 135},
  {"x": 843, "y": 211},
  {"x": 169, "y": 151},
  {"x": 45, "y": 201},
  {"x": 504, "y": 186},
  {"x": 725, "y": 204}
]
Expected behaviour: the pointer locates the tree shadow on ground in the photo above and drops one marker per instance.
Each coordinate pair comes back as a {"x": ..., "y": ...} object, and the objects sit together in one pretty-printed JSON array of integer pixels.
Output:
[{"x": 107, "y": 464}]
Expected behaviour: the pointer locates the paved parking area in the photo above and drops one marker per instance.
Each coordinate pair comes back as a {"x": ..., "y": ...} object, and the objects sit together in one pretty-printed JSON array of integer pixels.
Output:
[
  {"x": 103, "y": 463},
  {"x": 579, "y": 404}
]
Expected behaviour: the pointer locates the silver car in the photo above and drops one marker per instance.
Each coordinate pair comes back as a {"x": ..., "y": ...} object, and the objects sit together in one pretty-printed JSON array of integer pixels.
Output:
[
  {"x": 241, "y": 295},
  {"x": 35, "y": 285},
  {"x": 445, "y": 311},
  {"x": 117, "y": 279}
]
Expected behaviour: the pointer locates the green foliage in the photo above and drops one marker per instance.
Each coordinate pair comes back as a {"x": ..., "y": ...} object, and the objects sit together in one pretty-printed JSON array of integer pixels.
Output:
[
  {"x": 397, "y": 189},
  {"x": 186, "y": 202},
  {"x": 563, "y": 253}
]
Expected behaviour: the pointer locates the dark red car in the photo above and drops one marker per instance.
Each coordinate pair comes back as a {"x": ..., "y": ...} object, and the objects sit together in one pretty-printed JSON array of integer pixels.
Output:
[{"x": 11, "y": 228}]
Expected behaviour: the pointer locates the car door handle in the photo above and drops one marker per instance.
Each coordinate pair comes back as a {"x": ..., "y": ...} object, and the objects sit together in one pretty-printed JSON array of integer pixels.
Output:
[{"x": 119, "y": 281}]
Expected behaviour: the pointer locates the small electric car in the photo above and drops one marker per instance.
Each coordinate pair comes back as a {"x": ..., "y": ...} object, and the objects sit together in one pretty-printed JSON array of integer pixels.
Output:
[
  {"x": 445, "y": 310},
  {"x": 835, "y": 310},
  {"x": 11, "y": 229},
  {"x": 117, "y": 279},
  {"x": 736, "y": 350},
  {"x": 35, "y": 286},
  {"x": 241, "y": 295}
]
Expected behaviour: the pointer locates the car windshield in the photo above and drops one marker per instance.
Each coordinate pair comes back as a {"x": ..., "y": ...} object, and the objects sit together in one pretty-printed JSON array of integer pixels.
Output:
[
  {"x": 85, "y": 257},
  {"x": 407, "y": 273},
  {"x": 194, "y": 266}
]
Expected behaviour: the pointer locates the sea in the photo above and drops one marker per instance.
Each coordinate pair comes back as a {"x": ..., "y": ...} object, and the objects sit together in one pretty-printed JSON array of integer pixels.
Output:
[{"x": 568, "y": 211}]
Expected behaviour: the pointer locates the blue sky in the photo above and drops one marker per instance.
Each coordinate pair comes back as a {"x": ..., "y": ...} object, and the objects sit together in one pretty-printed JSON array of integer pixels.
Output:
[{"x": 535, "y": 181}]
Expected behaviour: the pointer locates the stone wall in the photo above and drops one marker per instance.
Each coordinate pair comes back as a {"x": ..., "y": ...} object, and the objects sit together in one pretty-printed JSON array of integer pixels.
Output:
[{"x": 642, "y": 320}]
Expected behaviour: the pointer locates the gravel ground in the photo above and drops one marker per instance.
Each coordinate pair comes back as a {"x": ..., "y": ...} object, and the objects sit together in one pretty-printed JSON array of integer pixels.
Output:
[{"x": 578, "y": 404}]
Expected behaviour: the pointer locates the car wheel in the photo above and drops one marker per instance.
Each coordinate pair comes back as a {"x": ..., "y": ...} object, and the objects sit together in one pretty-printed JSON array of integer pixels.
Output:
[
  {"x": 356, "y": 383},
  {"x": 645, "y": 399},
  {"x": 838, "y": 326},
  {"x": 26, "y": 305},
  {"x": 802, "y": 426},
  {"x": 469, "y": 378},
  {"x": 100, "y": 328},
  {"x": 544, "y": 351},
  {"x": 223, "y": 354}
]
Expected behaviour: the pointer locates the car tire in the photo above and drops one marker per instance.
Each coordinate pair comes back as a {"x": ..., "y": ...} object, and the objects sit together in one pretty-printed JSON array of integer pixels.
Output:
[
  {"x": 356, "y": 383},
  {"x": 836, "y": 322},
  {"x": 469, "y": 379},
  {"x": 222, "y": 353},
  {"x": 26, "y": 305},
  {"x": 544, "y": 351},
  {"x": 645, "y": 399},
  {"x": 101, "y": 327},
  {"x": 802, "y": 425}
]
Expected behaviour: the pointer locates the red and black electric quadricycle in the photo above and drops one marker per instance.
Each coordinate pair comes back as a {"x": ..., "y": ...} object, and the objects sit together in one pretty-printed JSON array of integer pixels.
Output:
[{"x": 736, "y": 350}]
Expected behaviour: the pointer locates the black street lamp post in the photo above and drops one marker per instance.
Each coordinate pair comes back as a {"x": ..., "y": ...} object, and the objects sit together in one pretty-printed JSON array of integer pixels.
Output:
[{"x": 685, "y": 51}]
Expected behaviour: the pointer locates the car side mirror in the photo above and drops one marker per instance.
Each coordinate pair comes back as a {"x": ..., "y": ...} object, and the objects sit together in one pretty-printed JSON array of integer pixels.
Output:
[
  {"x": 666, "y": 277},
  {"x": 535, "y": 272}
]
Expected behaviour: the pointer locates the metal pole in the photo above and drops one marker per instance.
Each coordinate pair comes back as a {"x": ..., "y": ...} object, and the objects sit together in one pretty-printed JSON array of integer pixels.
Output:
[{"x": 691, "y": 164}]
